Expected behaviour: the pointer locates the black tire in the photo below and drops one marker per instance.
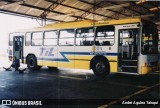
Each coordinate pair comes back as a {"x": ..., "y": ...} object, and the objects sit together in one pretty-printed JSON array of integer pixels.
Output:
[
  {"x": 32, "y": 63},
  {"x": 100, "y": 67}
]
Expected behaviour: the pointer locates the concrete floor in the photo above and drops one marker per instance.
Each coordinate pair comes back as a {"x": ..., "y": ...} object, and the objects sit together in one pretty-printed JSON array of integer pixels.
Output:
[{"x": 77, "y": 84}]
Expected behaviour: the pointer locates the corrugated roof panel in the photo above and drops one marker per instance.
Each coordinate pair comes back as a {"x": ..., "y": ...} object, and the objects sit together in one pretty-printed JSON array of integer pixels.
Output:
[
  {"x": 31, "y": 1},
  {"x": 61, "y": 9},
  {"x": 67, "y": 19},
  {"x": 35, "y": 12},
  {"x": 44, "y": 4},
  {"x": 29, "y": 7},
  {"x": 2, "y": 3},
  {"x": 22, "y": 9},
  {"x": 70, "y": 2}
]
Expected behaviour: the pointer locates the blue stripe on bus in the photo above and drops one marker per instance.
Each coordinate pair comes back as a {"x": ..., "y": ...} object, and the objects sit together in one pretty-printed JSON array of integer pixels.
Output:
[{"x": 64, "y": 59}]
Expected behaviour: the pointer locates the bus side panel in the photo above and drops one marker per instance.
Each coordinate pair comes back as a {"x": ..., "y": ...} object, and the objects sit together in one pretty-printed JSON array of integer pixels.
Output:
[
  {"x": 65, "y": 56},
  {"x": 83, "y": 61},
  {"x": 50, "y": 56},
  {"x": 113, "y": 61},
  {"x": 83, "y": 56}
]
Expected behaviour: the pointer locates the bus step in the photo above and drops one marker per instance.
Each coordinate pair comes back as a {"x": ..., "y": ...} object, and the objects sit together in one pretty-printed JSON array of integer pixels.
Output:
[
  {"x": 129, "y": 62},
  {"x": 129, "y": 69}
]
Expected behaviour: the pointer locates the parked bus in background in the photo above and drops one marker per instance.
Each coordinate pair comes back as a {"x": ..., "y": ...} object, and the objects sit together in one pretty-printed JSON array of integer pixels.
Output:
[{"x": 118, "y": 46}]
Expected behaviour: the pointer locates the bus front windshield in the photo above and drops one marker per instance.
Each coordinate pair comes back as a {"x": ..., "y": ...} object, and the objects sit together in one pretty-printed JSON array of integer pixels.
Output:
[{"x": 149, "y": 43}]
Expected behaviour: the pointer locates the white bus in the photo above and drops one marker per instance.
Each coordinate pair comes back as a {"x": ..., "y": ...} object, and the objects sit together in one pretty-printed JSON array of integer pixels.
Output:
[{"x": 119, "y": 46}]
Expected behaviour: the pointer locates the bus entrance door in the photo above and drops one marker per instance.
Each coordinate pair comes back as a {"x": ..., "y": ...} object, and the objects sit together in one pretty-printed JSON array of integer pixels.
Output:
[
  {"x": 128, "y": 50},
  {"x": 17, "y": 47}
]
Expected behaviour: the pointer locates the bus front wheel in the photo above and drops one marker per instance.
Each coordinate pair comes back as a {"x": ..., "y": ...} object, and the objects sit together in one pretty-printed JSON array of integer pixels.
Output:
[
  {"x": 100, "y": 68},
  {"x": 32, "y": 62}
]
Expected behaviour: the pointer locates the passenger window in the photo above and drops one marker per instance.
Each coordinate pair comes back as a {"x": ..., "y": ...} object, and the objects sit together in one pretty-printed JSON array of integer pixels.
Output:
[
  {"x": 28, "y": 39},
  {"x": 105, "y": 35},
  {"x": 37, "y": 38},
  {"x": 85, "y": 36},
  {"x": 11, "y": 39},
  {"x": 66, "y": 37},
  {"x": 50, "y": 38}
]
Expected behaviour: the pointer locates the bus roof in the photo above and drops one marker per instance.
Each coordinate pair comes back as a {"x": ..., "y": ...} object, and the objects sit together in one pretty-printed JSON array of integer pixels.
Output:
[{"x": 84, "y": 23}]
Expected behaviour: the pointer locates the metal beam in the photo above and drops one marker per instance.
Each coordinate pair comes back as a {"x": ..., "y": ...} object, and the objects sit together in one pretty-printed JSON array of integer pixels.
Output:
[
  {"x": 44, "y": 9},
  {"x": 97, "y": 6},
  {"x": 120, "y": 13},
  {"x": 125, "y": 9},
  {"x": 32, "y": 8},
  {"x": 51, "y": 7},
  {"x": 26, "y": 15},
  {"x": 86, "y": 11},
  {"x": 93, "y": 8}
]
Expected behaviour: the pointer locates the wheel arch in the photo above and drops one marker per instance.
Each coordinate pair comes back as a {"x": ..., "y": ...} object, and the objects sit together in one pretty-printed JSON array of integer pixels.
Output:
[{"x": 100, "y": 57}]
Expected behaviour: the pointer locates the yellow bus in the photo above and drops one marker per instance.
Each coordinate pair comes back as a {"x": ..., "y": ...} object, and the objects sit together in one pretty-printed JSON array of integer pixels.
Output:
[{"x": 115, "y": 46}]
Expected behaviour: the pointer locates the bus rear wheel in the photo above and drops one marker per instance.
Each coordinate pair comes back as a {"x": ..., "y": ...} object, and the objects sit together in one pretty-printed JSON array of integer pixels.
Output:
[
  {"x": 32, "y": 62},
  {"x": 100, "y": 68}
]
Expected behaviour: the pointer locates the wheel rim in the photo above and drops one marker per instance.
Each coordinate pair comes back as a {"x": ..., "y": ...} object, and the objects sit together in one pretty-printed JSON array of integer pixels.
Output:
[
  {"x": 31, "y": 63},
  {"x": 100, "y": 67}
]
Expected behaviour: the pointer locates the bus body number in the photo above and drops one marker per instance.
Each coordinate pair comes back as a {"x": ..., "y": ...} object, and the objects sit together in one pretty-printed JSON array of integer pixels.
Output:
[{"x": 46, "y": 52}]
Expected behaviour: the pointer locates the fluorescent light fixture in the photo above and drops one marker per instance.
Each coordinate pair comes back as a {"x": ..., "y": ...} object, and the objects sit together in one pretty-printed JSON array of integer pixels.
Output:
[
  {"x": 154, "y": 9},
  {"x": 158, "y": 23},
  {"x": 141, "y": 1},
  {"x": 142, "y": 16},
  {"x": 60, "y": 15}
]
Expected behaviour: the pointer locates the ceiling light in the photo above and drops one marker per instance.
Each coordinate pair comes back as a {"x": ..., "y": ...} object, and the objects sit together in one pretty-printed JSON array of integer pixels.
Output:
[
  {"x": 141, "y": 1},
  {"x": 154, "y": 9}
]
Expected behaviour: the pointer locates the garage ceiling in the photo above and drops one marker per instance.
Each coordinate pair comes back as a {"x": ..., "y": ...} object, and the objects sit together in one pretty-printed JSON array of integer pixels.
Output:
[{"x": 72, "y": 10}]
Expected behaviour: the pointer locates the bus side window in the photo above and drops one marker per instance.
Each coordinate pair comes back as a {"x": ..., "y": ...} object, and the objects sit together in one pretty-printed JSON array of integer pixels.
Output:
[
  {"x": 66, "y": 37},
  {"x": 50, "y": 38},
  {"x": 11, "y": 39},
  {"x": 106, "y": 43},
  {"x": 28, "y": 39},
  {"x": 37, "y": 38},
  {"x": 85, "y": 36},
  {"x": 105, "y": 35}
]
